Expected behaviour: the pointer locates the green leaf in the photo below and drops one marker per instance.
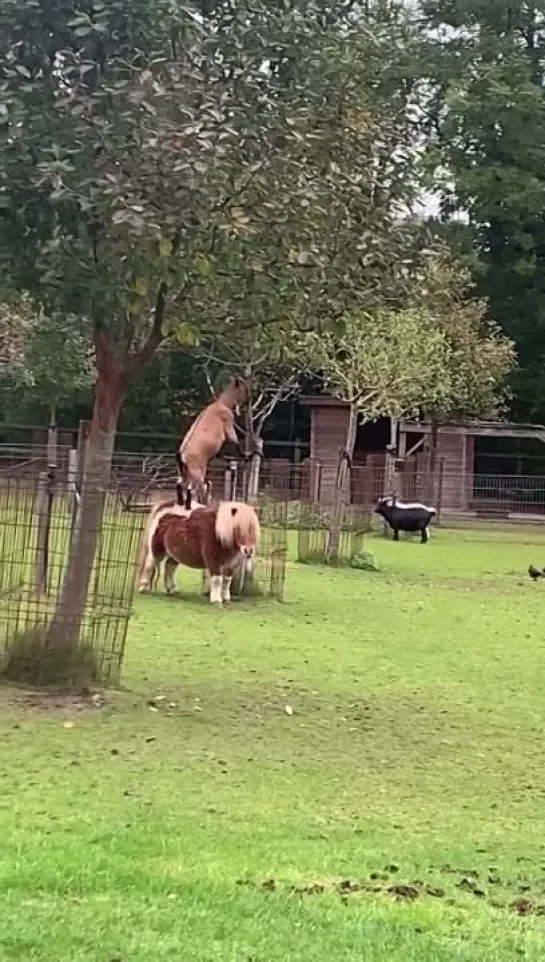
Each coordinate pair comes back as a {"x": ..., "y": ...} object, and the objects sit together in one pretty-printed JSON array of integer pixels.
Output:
[
  {"x": 203, "y": 265},
  {"x": 165, "y": 247},
  {"x": 185, "y": 334},
  {"x": 141, "y": 287}
]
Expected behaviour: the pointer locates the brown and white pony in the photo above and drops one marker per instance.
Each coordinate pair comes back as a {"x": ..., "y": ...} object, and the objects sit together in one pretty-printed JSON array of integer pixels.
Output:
[
  {"x": 157, "y": 511},
  {"x": 215, "y": 538},
  {"x": 206, "y": 436}
]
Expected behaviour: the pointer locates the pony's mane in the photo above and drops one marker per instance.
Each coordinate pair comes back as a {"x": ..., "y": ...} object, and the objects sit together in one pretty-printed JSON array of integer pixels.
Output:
[{"x": 236, "y": 523}]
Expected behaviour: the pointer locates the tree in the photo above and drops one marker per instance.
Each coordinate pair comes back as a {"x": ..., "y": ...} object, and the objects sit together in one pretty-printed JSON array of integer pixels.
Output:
[
  {"x": 54, "y": 360},
  {"x": 384, "y": 364},
  {"x": 151, "y": 155},
  {"x": 485, "y": 119},
  {"x": 441, "y": 356},
  {"x": 17, "y": 319},
  {"x": 480, "y": 357},
  {"x": 44, "y": 361}
]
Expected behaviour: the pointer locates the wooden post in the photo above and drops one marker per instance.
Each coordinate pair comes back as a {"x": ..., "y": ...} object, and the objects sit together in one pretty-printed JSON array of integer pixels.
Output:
[
  {"x": 46, "y": 494},
  {"x": 71, "y": 475},
  {"x": 337, "y": 514},
  {"x": 391, "y": 451},
  {"x": 315, "y": 481},
  {"x": 78, "y": 476},
  {"x": 230, "y": 482},
  {"x": 52, "y": 436},
  {"x": 440, "y": 488},
  {"x": 252, "y": 489}
]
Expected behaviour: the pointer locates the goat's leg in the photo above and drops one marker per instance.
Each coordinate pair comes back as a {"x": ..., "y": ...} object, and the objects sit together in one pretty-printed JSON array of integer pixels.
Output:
[
  {"x": 203, "y": 492},
  {"x": 171, "y": 587},
  {"x": 396, "y": 534},
  {"x": 424, "y": 535}
]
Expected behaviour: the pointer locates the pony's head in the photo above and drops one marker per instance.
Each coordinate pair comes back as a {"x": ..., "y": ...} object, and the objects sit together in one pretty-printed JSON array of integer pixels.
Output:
[
  {"x": 237, "y": 527},
  {"x": 235, "y": 394}
]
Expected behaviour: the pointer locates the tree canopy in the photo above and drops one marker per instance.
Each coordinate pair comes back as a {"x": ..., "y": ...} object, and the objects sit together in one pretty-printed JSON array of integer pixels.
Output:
[
  {"x": 178, "y": 171},
  {"x": 484, "y": 110}
]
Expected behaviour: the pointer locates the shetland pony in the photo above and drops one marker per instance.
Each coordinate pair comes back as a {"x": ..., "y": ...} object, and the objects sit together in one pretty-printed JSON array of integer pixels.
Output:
[
  {"x": 156, "y": 513},
  {"x": 209, "y": 432},
  {"x": 215, "y": 539}
]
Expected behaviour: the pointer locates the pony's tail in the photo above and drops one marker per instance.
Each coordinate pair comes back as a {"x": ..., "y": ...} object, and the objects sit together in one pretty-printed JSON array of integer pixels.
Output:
[
  {"x": 226, "y": 522},
  {"x": 145, "y": 541}
]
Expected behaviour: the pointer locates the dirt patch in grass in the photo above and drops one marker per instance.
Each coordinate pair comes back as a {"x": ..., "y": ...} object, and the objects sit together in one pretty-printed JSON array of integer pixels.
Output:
[
  {"x": 48, "y": 702},
  {"x": 527, "y": 907},
  {"x": 380, "y": 884},
  {"x": 375, "y": 884}
]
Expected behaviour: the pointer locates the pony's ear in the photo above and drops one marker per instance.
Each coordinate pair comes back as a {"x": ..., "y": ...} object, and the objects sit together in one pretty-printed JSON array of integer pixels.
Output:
[
  {"x": 238, "y": 381},
  {"x": 233, "y": 512}
]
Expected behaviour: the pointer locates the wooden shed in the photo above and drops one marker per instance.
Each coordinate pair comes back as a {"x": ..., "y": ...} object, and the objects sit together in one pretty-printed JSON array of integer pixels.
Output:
[{"x": 456, "y": 453}]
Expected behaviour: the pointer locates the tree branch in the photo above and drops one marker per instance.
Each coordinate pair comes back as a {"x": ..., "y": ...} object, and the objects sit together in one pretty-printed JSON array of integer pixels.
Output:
[{"x": 135, "y": 363}]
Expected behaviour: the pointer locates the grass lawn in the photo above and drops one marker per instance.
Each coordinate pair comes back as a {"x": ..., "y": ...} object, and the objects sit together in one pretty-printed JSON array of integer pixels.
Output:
[{"x": 410, "y": 764}]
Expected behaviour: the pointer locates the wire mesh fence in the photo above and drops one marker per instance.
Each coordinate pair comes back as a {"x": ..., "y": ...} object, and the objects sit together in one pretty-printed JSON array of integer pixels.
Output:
[
  {"x": 313, "y": 533},
  {"x": 60, "y": 623}
]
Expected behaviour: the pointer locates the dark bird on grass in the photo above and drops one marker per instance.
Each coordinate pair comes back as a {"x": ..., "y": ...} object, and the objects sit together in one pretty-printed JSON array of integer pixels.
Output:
[{"x": 534, "y": 573}]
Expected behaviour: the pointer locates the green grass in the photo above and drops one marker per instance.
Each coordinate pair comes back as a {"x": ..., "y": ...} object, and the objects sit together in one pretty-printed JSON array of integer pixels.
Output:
[{"x": 414, "y": 752}]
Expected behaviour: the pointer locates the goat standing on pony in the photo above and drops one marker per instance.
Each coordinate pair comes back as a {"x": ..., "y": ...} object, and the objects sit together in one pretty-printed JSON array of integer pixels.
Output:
[
  {"x": 215, "y": 539},
  {"x": 214, "y": 427}
]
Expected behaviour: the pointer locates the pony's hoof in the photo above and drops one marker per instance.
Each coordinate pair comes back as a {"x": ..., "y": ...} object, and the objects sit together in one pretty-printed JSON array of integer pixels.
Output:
[
  {"x": 217, "y": 601},
  {"x": 173, "y": 591},
  {"x": 144, "y": 589}
]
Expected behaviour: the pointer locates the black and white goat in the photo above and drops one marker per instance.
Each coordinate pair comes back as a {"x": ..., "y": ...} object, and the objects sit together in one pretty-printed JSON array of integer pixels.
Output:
[{"x": 403, "y": 516}]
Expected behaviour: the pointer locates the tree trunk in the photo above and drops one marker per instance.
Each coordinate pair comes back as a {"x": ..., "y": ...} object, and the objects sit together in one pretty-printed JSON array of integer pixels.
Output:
[
  {"x": 65, "y": 627},
  {"x": 252, "y": 493},
  {"x": 431, "y": 461},
  {"x": 337, "y": 515}
]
